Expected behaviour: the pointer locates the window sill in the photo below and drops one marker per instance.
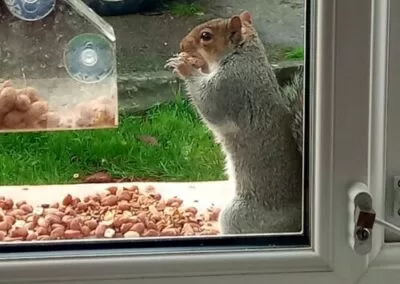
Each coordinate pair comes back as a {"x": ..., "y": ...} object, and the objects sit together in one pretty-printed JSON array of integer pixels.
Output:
[
  {"x": 153, "y": 263},
  {"x": 201, "y": 195},
  {"x": 156, "y": 266}
]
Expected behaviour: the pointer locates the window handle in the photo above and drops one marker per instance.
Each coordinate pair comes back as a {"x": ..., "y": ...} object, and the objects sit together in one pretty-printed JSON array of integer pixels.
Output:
[{"x": 363, "y": 218}]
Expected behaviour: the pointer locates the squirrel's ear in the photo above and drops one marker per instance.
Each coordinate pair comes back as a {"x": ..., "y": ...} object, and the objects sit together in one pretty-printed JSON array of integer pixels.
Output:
[
  {"x": 235, "y": 24},
  {"x": 245, "y": 16}
]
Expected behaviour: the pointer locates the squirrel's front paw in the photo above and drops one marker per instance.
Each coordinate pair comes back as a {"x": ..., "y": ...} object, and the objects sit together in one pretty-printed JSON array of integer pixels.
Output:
[{"x": 181, "y": 68}]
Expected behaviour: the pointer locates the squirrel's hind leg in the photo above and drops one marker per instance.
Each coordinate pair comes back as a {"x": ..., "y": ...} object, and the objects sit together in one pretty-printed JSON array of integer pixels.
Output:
[{"x": 247, "y": 217}]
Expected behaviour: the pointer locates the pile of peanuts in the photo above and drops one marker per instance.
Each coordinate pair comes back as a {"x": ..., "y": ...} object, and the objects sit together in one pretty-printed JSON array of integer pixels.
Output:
[
  {"x": 97, "y": 112},
  {"x": 26, "y": 109},
  {"x": 113, "y": 213},
  {"x": 23, "y": 108}
]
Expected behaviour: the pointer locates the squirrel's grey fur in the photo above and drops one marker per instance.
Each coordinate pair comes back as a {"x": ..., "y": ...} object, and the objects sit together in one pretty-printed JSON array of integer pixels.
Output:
[
  {"x": 294, "y": 94},
  {"x": 242, "y": 104}
]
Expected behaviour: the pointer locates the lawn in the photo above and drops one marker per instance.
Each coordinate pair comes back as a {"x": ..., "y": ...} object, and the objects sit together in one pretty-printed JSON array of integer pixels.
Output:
[
  {"x": 294, "y": 53},
  {"x": 185, "y": 9},
  {"x": 167, "y": 143}
]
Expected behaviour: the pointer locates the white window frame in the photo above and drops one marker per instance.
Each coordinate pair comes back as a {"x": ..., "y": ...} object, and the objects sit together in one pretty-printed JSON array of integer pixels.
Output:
[
  {"x": 346, "y": 147},
  {"x": 384, "y": 263}
]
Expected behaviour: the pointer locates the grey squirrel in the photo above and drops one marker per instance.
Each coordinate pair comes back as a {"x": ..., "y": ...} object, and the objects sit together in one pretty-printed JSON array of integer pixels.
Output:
[{"x": 234, "y": 89}]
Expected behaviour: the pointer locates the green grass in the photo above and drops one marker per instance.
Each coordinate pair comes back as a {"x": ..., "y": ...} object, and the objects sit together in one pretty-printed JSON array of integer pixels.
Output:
[
  {"x": 185, "y": 9},
  {"x": 186, "y": 150},
  {"x": 295, "y": 54}
]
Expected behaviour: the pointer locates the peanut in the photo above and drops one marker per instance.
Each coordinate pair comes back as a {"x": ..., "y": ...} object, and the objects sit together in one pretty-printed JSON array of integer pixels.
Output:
[
  {"x": 174, "y": 202},
  {"x": 52, "y": 219},
  {"x": 109, "y": 233},
  {"x": 19, "y": 223},
  {"x": 67, "y": 200},
  {"x": 150, "y": 233},
  {"x": 19, "y": 232},
  {"x": 38, "y": 211},
  {"x": 20, "y": 203},
  {"x": 43, "y": 223},
  {"x": 112, "y": 189},
  {"x": 57, "y": 232},
  {"x": 120, "y": 220},
  {"x": 31, "y": 236},
  {"x": 92, "y": 224},
  {"x": 126, "y": 227},
  {"x": 125, "y": 195},
  {"x": 151, "y": 225},
  {"x": 27, "y": 208},
  {"x": 42, "y": 231},
  {"x": 138, "y": 227},
  {"x": 187, "y": 230},
  {"x": 75, "y": 224},
  {"x": 22, "y": 102},
  {"x": 168, "y": 232},
  {"x": 4, "y": 226},
  {"x": 191, "y": 210},
  {"x": 30, "y": 225},
  {"x": 8, "y": 204},
  {"x": 131, "y": 234},
  {"x": 123, "y": 205},
  {"x": 110, "y": 200},
  {"x": 85, "y": 230},
  {"x": 100, "y": 230},
  {"x": 72, "y": 234},
  {"x": 44, "y": 238},
  {"x": 13, "y": 239},
  {"x": 17, "y": 212},
  {"x": 82, "y": 206}
]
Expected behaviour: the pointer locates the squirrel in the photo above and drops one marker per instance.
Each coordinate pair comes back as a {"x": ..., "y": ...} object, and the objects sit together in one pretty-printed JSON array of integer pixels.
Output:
[{"x": 231, "y": 84}]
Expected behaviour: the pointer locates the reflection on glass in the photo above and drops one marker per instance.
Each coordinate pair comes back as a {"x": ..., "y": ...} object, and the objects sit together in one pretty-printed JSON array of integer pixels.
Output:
[
  {"x": 221, "y": 155},
  {"x": 58, "y": 68}
]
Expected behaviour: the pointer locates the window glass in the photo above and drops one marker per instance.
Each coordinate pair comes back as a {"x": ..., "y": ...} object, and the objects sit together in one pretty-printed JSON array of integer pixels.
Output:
[
  {"x": 209, "y": 137},
  {"x": 392, "y": 134}
]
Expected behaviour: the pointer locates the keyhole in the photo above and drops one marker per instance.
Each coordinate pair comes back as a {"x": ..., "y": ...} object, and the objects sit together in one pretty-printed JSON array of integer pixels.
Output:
[{"x": 362, "y": 234}]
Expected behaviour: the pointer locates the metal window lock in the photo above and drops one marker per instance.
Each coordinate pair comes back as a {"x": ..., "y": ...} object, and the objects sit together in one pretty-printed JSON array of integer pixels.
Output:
[
  {"x": 365, "y": 219},
  {"x": 362, "y": 219}
]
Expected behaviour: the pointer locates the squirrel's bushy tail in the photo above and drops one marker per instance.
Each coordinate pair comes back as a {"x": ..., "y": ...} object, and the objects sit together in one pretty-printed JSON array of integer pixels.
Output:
[{"x": 293, "y": 93}]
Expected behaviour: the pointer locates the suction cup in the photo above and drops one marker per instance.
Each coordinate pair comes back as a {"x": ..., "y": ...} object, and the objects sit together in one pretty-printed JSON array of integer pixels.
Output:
[
  {"x": 30, "y": 10},
  {"x": 89, "y": 58}
]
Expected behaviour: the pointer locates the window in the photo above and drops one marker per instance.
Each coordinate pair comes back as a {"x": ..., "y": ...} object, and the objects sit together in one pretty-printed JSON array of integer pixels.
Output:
[
  {"x": 350, "y": 140},
  {"x": 265, "y": 176},
  {"x": 392, "y": 211}
]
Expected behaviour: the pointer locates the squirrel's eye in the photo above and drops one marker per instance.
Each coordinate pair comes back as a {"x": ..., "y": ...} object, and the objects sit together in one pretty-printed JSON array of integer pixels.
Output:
[{"x": 206, "y": 36}]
